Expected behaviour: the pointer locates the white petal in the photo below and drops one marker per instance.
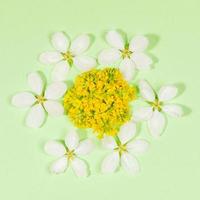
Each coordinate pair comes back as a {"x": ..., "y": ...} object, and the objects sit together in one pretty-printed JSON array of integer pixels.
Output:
[
  {"x": 115, "y": 40},
  {"x": 36, "y": 116},
  {"x": 50, "y": 57},
  {"x": 53, "y": 108},
  {"x": 138, "y": 146},
  {"x": 138, "y": 43},
  {"x": 156, "y": 124},
  {"x": 141, "y": 60},
  {"x": 146, "y": 91},
  {"x": 143, "y": 113},
  {"x": 127, "y": 68},
  {"x": 80, "y": 44},
  {"x": 60, "y": 165},
  {"x": 60, "y": 71},
  {"x": 129, "y": 163},
  {"x": 84, "y": 63},
  {"x": 109, "y": 142},
  {"x": 23, "y": 99},
  {"x": 127, "y": 132},
  {"x": 173, "y": 110},
  {"x": 80, "y": 167},
  {"x": 55, "y": 90},
  {"x": 108, "y": 56},
  {"x": 54, "y": 148},
  {"x": 72, "y": 140},
  {"x": 85, "y": 147},
  {"x": 60, "y": 41},
  {"x": 110, "y": 163},
  {"x": 36, "y": 82},
  {"x": 167, "y": 92}
]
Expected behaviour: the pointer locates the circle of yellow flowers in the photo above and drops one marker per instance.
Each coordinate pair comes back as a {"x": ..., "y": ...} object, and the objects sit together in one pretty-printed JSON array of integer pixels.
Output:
[{"x": 99, "y": 99}]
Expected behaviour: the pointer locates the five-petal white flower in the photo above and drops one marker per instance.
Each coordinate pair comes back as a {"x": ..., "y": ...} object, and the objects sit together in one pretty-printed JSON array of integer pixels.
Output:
[
  {"x": 131, "y": 54},
  {"x": 123, "y": 148},
  {"x": 157, "y": 107},
  {"x": 67, "y": 54},
  {"x": 40, "y": 100},
  {"x": 70, "y": 154}
]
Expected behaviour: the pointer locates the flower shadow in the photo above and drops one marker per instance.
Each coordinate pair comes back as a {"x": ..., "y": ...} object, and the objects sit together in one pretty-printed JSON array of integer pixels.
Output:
[
  {"x": 181, "y": 88},
  {"x": 69, "y": 84},
  {"x": 92, "y": 39},
  {"x": 153, "y": 41},
  {"x": 186, "y": 110}
]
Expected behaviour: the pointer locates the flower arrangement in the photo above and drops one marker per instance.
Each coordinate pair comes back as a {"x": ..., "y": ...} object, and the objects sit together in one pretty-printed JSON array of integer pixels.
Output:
[{"x": 99, "y": 99}]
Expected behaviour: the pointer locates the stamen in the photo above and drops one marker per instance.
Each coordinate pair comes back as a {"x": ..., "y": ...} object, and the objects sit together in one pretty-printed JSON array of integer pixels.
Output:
[
  {"x": 126, "y": 53},
  {"x": 40, "y": 99},
  {"x": 121, "y": 148},
  {"x": 68, "y": 56},
  {"x": 70, "y": 155},
  {"x": 156, "y": 105}
]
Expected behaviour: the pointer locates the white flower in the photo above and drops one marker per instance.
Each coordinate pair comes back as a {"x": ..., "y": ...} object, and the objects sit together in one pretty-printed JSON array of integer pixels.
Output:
[
  {"x": 131, "y": 54},
  {"x": 67, "y": 54},
  {"x": 40, "y": 100},
  {"x": 158, "y": 105},
  {"x": 123, "y": 149},
  {"x": 69, "y": 154}
]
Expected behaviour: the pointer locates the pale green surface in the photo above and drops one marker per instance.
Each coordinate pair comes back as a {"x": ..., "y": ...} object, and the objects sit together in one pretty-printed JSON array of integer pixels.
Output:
[{"x": 171, "y": 168}]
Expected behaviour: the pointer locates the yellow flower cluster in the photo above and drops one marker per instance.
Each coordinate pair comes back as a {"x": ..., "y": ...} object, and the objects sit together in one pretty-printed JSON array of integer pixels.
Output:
[{"x": 99, "y": 99}]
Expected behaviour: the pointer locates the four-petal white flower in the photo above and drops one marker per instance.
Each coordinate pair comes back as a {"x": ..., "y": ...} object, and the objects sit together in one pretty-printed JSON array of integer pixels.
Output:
[
  {"x": 123, "y": 148},
  {"x": 40, "y": 100},
  {"x": 67, "y": 54},
  {"x": 131, "y": 54},
  {"x": 158, "y": 105},
  {"x": 69, "y": 154}
]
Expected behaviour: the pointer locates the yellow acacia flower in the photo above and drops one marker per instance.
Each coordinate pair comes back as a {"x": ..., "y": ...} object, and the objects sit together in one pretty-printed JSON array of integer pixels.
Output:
[{"x": 99, "y": 99}]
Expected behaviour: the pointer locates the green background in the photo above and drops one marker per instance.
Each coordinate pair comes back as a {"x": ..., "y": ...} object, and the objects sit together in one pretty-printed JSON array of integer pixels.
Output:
[{"x": 170, "y": 169}]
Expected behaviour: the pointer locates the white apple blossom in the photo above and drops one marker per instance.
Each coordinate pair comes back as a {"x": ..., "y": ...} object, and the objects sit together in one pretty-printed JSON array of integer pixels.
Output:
[
  {"x": 69, "y": 154},
  {"x": 122, "y": 149},
  {"x": 68, "y": 53},
  {"x": 42, "y": 100},
  {"x": 158, "y": 105},
  {"x": 130, "y": 54}
]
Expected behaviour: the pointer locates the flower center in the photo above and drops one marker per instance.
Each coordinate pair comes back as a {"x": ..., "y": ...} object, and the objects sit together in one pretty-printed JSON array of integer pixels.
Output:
[
  {"x": 68, "y": 56},
  {"x": 156, "y": 105},
  {"x": 126, "y": 53},
  {"x": 70, "y": 155},
  {"x": 121, "y": 148},
  {"x": 40, "y": 99},
  {"x": 99, "y": 99}
]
